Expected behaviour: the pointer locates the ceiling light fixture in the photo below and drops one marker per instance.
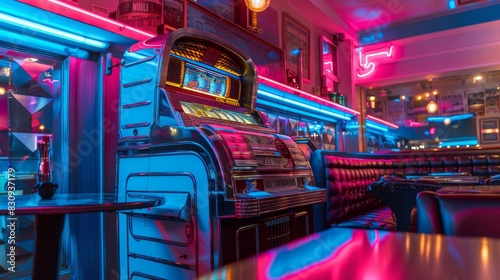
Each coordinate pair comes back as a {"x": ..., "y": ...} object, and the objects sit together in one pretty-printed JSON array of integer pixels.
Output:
[
  {"x": 52, "y": 32},
  {"x": 431, "y": 107}
]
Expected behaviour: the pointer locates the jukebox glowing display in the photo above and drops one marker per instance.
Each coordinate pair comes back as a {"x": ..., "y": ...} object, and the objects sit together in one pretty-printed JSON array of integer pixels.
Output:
[{"x": 189, "y": 131}]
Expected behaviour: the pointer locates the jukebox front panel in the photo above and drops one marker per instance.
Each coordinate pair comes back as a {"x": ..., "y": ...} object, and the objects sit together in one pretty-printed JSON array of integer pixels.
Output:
[
  {"x": 189, "y": 130},
  {"x": 203, "y": 69}
]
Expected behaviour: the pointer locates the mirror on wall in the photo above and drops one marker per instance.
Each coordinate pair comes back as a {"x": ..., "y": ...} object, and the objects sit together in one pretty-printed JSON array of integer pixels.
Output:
[
  {"x": 329, "y": 64},
  {"x": 459, "y": 103},
  {"x": 407, "y": 104}
]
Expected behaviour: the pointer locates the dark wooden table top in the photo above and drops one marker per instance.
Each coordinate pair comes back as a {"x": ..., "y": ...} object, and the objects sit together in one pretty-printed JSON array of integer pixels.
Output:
[
  {"x": 343, "y": 253},
  {"x": 32, "y": 204}
]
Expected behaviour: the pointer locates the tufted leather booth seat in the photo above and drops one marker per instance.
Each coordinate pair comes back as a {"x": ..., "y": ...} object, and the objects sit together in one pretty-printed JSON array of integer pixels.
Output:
[
  {"x": 347, "y": 175},
  {"x": 463, "y": 214}
]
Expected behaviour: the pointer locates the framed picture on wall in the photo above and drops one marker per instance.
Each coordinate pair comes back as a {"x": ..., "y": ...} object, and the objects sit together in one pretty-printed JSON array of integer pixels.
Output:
[
  {"x": 452, "y": 104},
  {"x": 295, "y": 43},
  {"x": 475, "y": 102},
  {"x": 491, "y": 98},
  {"x": 488, "y": 130},
  {"x": 174, "y": 14},
  {"x": 268, "y": 22}
]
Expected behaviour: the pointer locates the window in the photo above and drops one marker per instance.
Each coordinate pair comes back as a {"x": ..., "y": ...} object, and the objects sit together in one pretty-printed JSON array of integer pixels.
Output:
[{"x": 29, "y": 101}]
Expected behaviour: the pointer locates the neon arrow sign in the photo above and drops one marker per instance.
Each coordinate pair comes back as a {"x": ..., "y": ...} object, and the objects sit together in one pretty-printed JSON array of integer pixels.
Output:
[{"x": 366, "y": 61}]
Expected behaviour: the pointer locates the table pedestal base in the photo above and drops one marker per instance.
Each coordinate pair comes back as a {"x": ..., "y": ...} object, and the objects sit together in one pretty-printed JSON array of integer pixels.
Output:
[{"x": 48, "y": 231}]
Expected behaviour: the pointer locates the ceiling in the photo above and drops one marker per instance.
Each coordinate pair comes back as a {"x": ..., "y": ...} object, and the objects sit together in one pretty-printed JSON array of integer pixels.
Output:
[
  {"x": 401, "y": 22},
  {"x": 422, "y": 16}
]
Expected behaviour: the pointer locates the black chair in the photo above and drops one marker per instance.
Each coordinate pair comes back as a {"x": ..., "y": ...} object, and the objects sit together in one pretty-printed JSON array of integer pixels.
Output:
[{"x": 462, "y": 214}]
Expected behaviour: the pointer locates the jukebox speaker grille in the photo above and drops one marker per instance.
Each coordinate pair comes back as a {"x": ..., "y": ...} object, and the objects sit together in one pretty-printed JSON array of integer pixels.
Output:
[
  {"x": 277, "y": 231},
  {"x": 208, "y": 55},
  {"x": 234, "y": 87},
  {"x": 174, "y": 74}
]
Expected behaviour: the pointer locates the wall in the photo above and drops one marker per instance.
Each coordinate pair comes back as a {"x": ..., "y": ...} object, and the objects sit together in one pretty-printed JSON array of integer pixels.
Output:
[{"x": 307, "y": 14}]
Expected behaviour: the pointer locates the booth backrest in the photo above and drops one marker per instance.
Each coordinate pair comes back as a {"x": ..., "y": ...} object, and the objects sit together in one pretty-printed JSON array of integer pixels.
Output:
[
  {"x": 346, "y": 175},
  {"x": 346, "y": 180},
  {"x": 463, "y": 214}
]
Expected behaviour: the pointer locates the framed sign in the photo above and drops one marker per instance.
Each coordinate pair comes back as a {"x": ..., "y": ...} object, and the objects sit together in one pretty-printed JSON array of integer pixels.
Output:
[
  {"x": 452, "y": 104},
  {"x": 475, "y": 103},
  {"x": 491, "y": 97},
  {"x": 296, "y": 42},
  {"x": 174, "y": 13},
  {"x": 489, "y": 130}
]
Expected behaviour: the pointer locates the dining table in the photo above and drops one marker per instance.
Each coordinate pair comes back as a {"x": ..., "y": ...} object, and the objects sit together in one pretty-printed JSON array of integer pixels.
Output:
[
  {"x": 476, "y": 188},
  {"x": 360, "y": 254},
  {"x": 50, "y": 217},
  {"x": 450, "y": 179}
]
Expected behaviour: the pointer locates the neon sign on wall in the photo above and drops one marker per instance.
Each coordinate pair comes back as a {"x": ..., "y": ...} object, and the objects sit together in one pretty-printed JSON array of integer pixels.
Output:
[{"x": 368, "y": 59}]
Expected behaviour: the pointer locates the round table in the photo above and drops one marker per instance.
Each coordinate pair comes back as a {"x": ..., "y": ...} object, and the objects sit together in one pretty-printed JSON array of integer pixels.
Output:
[{"x": 50, "y": 216}]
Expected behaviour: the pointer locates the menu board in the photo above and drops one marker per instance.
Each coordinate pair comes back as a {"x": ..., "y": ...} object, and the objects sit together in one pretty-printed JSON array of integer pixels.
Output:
[{"x": 267, "y": 58}]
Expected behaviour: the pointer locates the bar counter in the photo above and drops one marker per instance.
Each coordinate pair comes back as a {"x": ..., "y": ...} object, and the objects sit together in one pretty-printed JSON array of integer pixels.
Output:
[{"x": 343, "y": 253}]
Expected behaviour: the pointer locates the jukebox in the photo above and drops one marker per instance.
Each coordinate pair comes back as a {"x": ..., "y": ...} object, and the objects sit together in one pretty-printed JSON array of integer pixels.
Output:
[{"x": 189, "y": 132}]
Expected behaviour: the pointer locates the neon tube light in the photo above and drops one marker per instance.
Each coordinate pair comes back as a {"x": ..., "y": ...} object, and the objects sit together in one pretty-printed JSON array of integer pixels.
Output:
[
  {"x": 377, "y": 120},
  {"x": 285, "y": 100},
  {"x": 49, "y": 46},
  {"x": 265, "y": 106},
  {"x": 52, "y": 31},
  {"x": 304, "y": 103},
  {"x": 270, "y": 92},
  {"x": 377, "y": 127},
  {"x": 275, "y": 90},
  {"x": 452, "y": 118},
  {"x": 367, "y": 64},
  {"x": 114, "y": 22},
  {"x": 291, "y": 90}
]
